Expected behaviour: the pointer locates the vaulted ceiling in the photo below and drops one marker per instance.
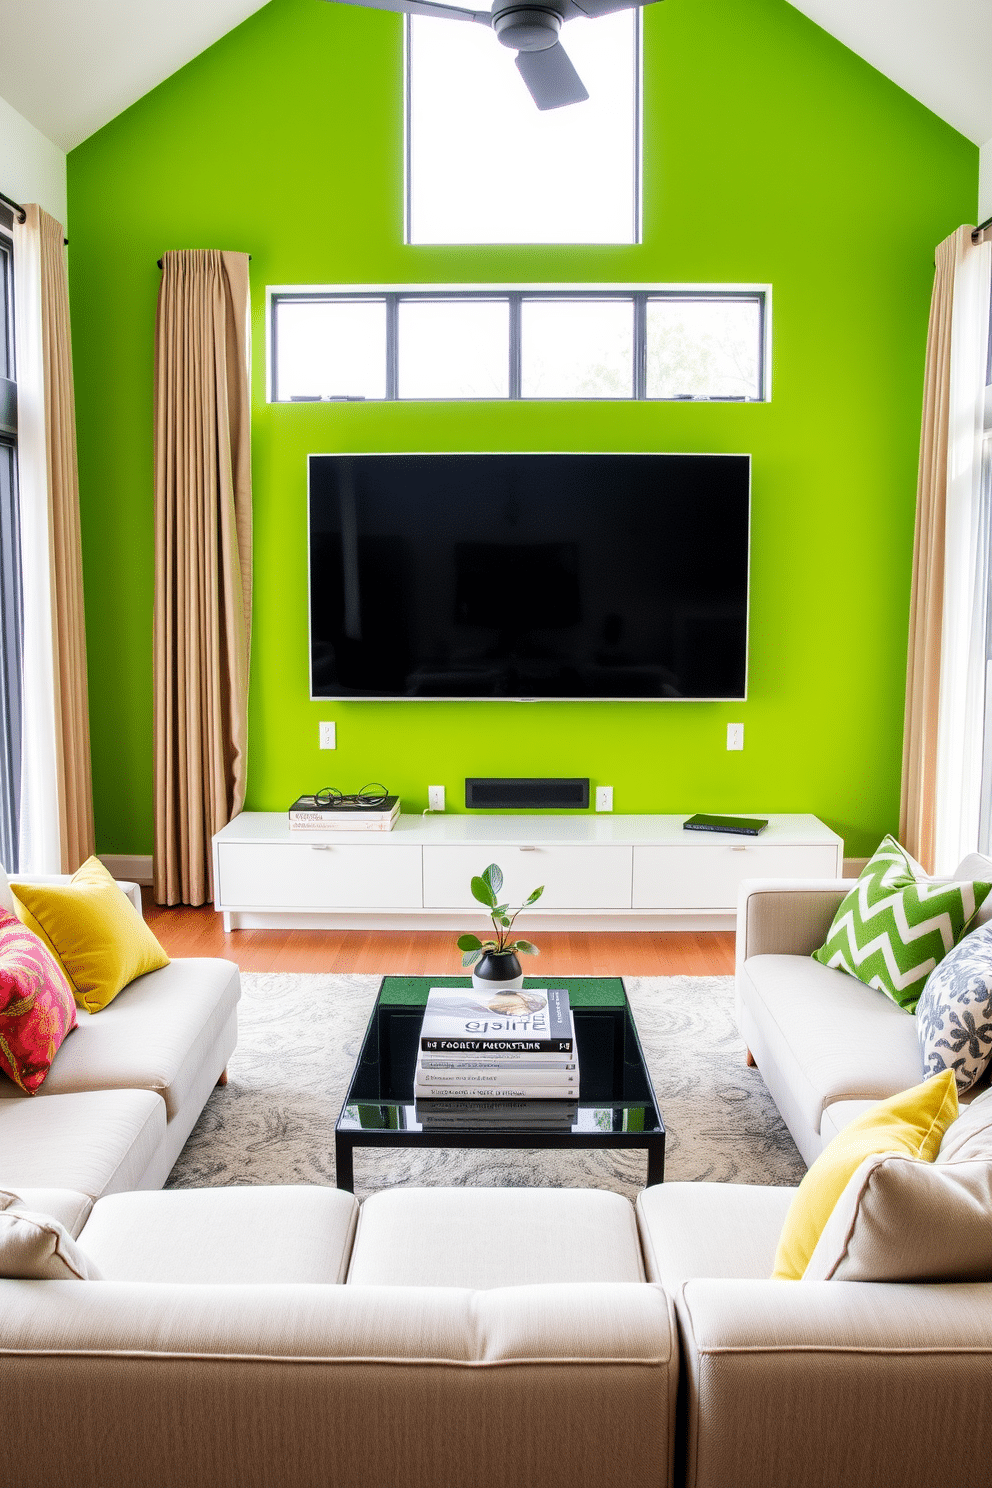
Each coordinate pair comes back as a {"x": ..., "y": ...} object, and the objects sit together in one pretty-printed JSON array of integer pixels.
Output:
[{"x": 69, "y": 66}]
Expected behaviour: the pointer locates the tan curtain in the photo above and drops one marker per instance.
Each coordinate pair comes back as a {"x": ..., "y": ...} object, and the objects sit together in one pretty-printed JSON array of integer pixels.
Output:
[
  {"x": 202, "y": 563},
  {"x": 919, "y": 762},
  {"x": 56, "y": 788}
]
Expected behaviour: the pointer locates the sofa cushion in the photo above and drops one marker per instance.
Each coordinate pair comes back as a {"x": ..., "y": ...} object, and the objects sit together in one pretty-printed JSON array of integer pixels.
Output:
[
  {"x": 7, "y": 903},
  {"x": 70, "y": 1207},
  {"x": 710, "y": 1229},
  {"x": 37, "y": 1010},
  {"x": 912, "y": 1123},
  {"x": 35, "y": 1247},
  {"x": 900, "y": 1219},
  {"x": 95, "y": 932},
  {"x": 230, "y": 1235},
  {"x": 897, "y": 924},
  {"x": 155, "y": 1038},
  {"x": 96, "y": 1142},
  {"x": 494, "y": 1237},
  {"x": 832, "y": 1037},
  {"x": 954, "y": 1013}
]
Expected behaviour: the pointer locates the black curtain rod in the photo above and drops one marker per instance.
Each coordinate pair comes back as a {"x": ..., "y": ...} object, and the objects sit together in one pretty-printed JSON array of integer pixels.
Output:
[
  {"x": 158, "y": 261},
  {"x": 22, "y": 216},
  {"x": 980, "y": 229}
]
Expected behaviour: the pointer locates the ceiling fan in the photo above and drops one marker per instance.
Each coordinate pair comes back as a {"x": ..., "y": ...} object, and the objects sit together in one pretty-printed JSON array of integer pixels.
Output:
[{"x": 528, "y": 27}]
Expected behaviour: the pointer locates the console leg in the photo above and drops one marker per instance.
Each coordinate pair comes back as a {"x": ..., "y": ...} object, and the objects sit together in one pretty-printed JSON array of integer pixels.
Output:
[
  {"x": 750, "y": 1059},
  {"x": 227, "y": 922},
  {"x": 222, "y": 1079}
]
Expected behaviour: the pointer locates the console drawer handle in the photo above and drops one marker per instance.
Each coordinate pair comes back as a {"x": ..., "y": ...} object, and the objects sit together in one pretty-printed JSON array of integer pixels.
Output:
[
  {"x": 528, "y": 849},
  {"x": 320, "y": 847},
  {"x": 738, "y": 849}
]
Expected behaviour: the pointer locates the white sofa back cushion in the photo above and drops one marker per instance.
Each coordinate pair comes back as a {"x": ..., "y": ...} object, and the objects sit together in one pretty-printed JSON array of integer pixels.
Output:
[
  {"x": 6, "y": 897},
  {"x": 35, "y": 1247}
]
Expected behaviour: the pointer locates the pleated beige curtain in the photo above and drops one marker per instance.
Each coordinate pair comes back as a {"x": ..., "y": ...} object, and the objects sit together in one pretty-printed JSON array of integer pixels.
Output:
[
  {"x": 56, "y": 787},
  {"x": 202, "y": 563},
  {"x": 917, "y": 818}
]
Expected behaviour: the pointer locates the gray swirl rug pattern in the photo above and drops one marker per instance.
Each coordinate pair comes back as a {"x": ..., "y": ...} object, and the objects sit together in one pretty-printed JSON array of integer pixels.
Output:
[{"x": 299, "y": 1039}]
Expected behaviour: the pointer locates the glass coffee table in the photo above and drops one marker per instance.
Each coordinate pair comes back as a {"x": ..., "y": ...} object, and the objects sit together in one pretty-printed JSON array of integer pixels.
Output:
[{"x": 616, "y": 1107}]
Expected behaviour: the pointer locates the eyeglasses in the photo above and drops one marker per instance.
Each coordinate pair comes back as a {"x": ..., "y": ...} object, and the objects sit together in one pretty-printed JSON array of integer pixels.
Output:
[{"x": 372, "y": 794}]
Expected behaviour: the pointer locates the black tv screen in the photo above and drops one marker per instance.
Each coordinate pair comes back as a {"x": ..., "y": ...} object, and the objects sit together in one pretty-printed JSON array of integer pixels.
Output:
[{"x": 529, "y": 576}]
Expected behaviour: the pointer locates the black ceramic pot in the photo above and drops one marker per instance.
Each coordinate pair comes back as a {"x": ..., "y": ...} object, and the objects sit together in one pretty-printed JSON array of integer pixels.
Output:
[{"x": 498, "y": 971}]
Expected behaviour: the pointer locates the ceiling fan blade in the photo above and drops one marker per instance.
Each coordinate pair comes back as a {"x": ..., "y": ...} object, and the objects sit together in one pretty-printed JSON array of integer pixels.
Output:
[
  {"x": 550, "y": 77},
  {"x": 593, "y": 8},
  {"x": 424, "y": 8}
]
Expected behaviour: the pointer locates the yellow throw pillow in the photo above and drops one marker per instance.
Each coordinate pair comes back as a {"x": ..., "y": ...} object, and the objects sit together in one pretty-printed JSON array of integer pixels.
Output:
[
  {"x": 94, "y": 931},
  {"x": 911, "y": 1124}
]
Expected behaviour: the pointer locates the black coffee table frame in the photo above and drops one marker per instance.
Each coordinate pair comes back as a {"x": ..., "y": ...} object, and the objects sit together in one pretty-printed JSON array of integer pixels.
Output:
[{"x": 379, "y": 1109}]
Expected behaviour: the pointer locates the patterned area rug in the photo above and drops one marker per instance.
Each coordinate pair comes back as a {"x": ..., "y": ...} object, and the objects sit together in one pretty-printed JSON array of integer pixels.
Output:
[{"x": 299, "y": 1039}]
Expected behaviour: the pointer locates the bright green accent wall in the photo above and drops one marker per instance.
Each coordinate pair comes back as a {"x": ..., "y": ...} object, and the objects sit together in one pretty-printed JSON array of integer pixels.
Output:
[{"x": 772, "y": 155}]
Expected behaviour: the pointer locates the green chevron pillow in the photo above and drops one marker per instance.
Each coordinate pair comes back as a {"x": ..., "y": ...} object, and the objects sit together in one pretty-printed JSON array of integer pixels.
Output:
[{"x": 896, "y": 924}]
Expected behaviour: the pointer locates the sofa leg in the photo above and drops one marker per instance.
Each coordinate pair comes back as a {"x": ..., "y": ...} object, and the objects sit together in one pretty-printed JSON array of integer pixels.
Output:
[
  {"x": 750, "y": 1061},
  {"x": 222, "y": 1080}
]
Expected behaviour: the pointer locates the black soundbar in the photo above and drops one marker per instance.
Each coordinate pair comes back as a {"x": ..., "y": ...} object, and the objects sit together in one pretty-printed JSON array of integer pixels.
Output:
[{"x": 500, "y": 794}]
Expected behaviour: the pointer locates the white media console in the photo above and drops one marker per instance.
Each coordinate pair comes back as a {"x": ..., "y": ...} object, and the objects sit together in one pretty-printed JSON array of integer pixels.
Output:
[{"x": 599, "y": 872}]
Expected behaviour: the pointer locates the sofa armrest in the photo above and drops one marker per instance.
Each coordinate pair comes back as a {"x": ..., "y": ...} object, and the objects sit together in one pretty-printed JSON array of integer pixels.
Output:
[
  {"x": 786, "y": 916},
  {"x": 834, "y": 1384},
  {"x": 132, "y": 890},
  {"x": 387, "y": 1387}
]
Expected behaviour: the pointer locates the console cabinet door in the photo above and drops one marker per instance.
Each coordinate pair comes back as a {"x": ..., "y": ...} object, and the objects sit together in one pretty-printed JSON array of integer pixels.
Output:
[
  {"x": 577, "y": 877},
  {"x": 708, "y": 875},
  {"x": 311, "y": 876}
]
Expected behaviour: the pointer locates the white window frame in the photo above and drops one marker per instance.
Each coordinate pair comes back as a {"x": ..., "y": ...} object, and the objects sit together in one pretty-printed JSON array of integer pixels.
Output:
[
  {"x": 638, "y": 225},
  {"x": 640, "y": 294}
]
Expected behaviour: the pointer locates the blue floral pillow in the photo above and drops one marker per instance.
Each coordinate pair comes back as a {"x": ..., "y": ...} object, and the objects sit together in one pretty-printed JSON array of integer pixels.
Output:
[{"x": 954, "y": 1013}]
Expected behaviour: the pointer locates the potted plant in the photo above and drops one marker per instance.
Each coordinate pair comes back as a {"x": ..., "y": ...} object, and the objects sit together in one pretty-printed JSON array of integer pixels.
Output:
[{"x": 494, "y": 962}]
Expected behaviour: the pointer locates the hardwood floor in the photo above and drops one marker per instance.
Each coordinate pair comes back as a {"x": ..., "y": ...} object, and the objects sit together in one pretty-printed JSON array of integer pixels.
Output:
[{"x": 200, "y": 932}]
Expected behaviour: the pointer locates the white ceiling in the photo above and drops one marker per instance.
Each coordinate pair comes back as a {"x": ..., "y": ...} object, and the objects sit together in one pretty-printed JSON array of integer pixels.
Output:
[{"x": 69, "y": 66}]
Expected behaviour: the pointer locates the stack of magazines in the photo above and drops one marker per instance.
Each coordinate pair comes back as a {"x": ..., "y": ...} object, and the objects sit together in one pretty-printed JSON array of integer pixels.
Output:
[
  {"x": 311, "y": 814},
  {"x": 480, "y": 1045}
]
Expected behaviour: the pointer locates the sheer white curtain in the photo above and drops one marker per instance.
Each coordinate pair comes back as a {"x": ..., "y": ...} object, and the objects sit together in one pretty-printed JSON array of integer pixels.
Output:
[
  {"x": 967, "y": 530},
  {"x": 40, "y": 835}
]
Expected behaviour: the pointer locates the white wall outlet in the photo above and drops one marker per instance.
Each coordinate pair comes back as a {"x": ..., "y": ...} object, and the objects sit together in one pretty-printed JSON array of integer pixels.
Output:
[
  {"x": 604, "y": 798},
  {"x": 735, "y": 736},
  {"x": 435, "y": 797},
  {"x": 328, "y": 736}
]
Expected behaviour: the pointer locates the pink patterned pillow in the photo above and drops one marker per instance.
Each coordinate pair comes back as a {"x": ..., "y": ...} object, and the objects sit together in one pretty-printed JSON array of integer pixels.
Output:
[{"x": 37, "y": 1009}]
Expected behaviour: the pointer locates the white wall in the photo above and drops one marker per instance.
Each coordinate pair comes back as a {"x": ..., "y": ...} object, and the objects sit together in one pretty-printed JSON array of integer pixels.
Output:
[
  {"x": 32, "y": 169},
  {"x": 985, "y": 181}
]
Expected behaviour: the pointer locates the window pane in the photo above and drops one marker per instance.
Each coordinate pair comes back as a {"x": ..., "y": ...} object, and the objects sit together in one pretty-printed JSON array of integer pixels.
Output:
[
  {"x": 487, "y": 166},
  {"x": 454, "y": 349},
  {"x": 703, "y": 348},
  {"x": 577, "y": 349},
  {"x": 331, "y": 349}
]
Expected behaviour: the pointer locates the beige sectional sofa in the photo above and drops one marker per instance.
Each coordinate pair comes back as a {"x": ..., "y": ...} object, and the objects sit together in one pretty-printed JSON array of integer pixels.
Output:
[
  {"x": 449, "y": 1338},
  {"x": 127, "y": 1085},
  {"x": 826, "y": 1045}
]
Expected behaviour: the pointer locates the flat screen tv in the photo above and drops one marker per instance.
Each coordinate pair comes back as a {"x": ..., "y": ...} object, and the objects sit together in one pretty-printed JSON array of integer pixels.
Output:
[{"x": 529, "y": 576}]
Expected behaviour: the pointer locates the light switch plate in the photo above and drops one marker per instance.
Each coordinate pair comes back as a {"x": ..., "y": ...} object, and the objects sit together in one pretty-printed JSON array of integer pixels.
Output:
[
  {"x": 328, "y": 736},
  {"x": 735, "y": 736},
  {"x": 604, "y": 798}
]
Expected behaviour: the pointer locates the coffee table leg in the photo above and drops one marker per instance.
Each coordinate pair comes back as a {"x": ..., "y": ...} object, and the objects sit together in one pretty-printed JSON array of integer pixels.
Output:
[
  {"x": 344, "y": 1166},
  {"x": 656, "y": 1162}
]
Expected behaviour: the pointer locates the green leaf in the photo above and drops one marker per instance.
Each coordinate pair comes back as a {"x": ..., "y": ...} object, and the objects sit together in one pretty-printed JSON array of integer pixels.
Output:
[
  {"x": 527, "y": 948},
  {"x": 535, "y": 896},
  {"x": 502, "y": 919},
  {"x": 494, "y": 878},
  {"x": 468, "y": 943},
  {"x": 470, "y": 957},
  {"x": 482, "y": 892}
]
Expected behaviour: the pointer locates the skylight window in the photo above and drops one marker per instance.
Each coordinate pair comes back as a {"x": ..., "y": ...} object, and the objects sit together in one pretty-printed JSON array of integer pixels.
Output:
[{"x": 484, "y": 165}]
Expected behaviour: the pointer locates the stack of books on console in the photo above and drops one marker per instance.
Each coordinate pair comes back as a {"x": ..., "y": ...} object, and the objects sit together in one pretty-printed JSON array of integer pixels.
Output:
[
  {"x": 514, "y": 1050},
  {"x": 307, "y": 814}
]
